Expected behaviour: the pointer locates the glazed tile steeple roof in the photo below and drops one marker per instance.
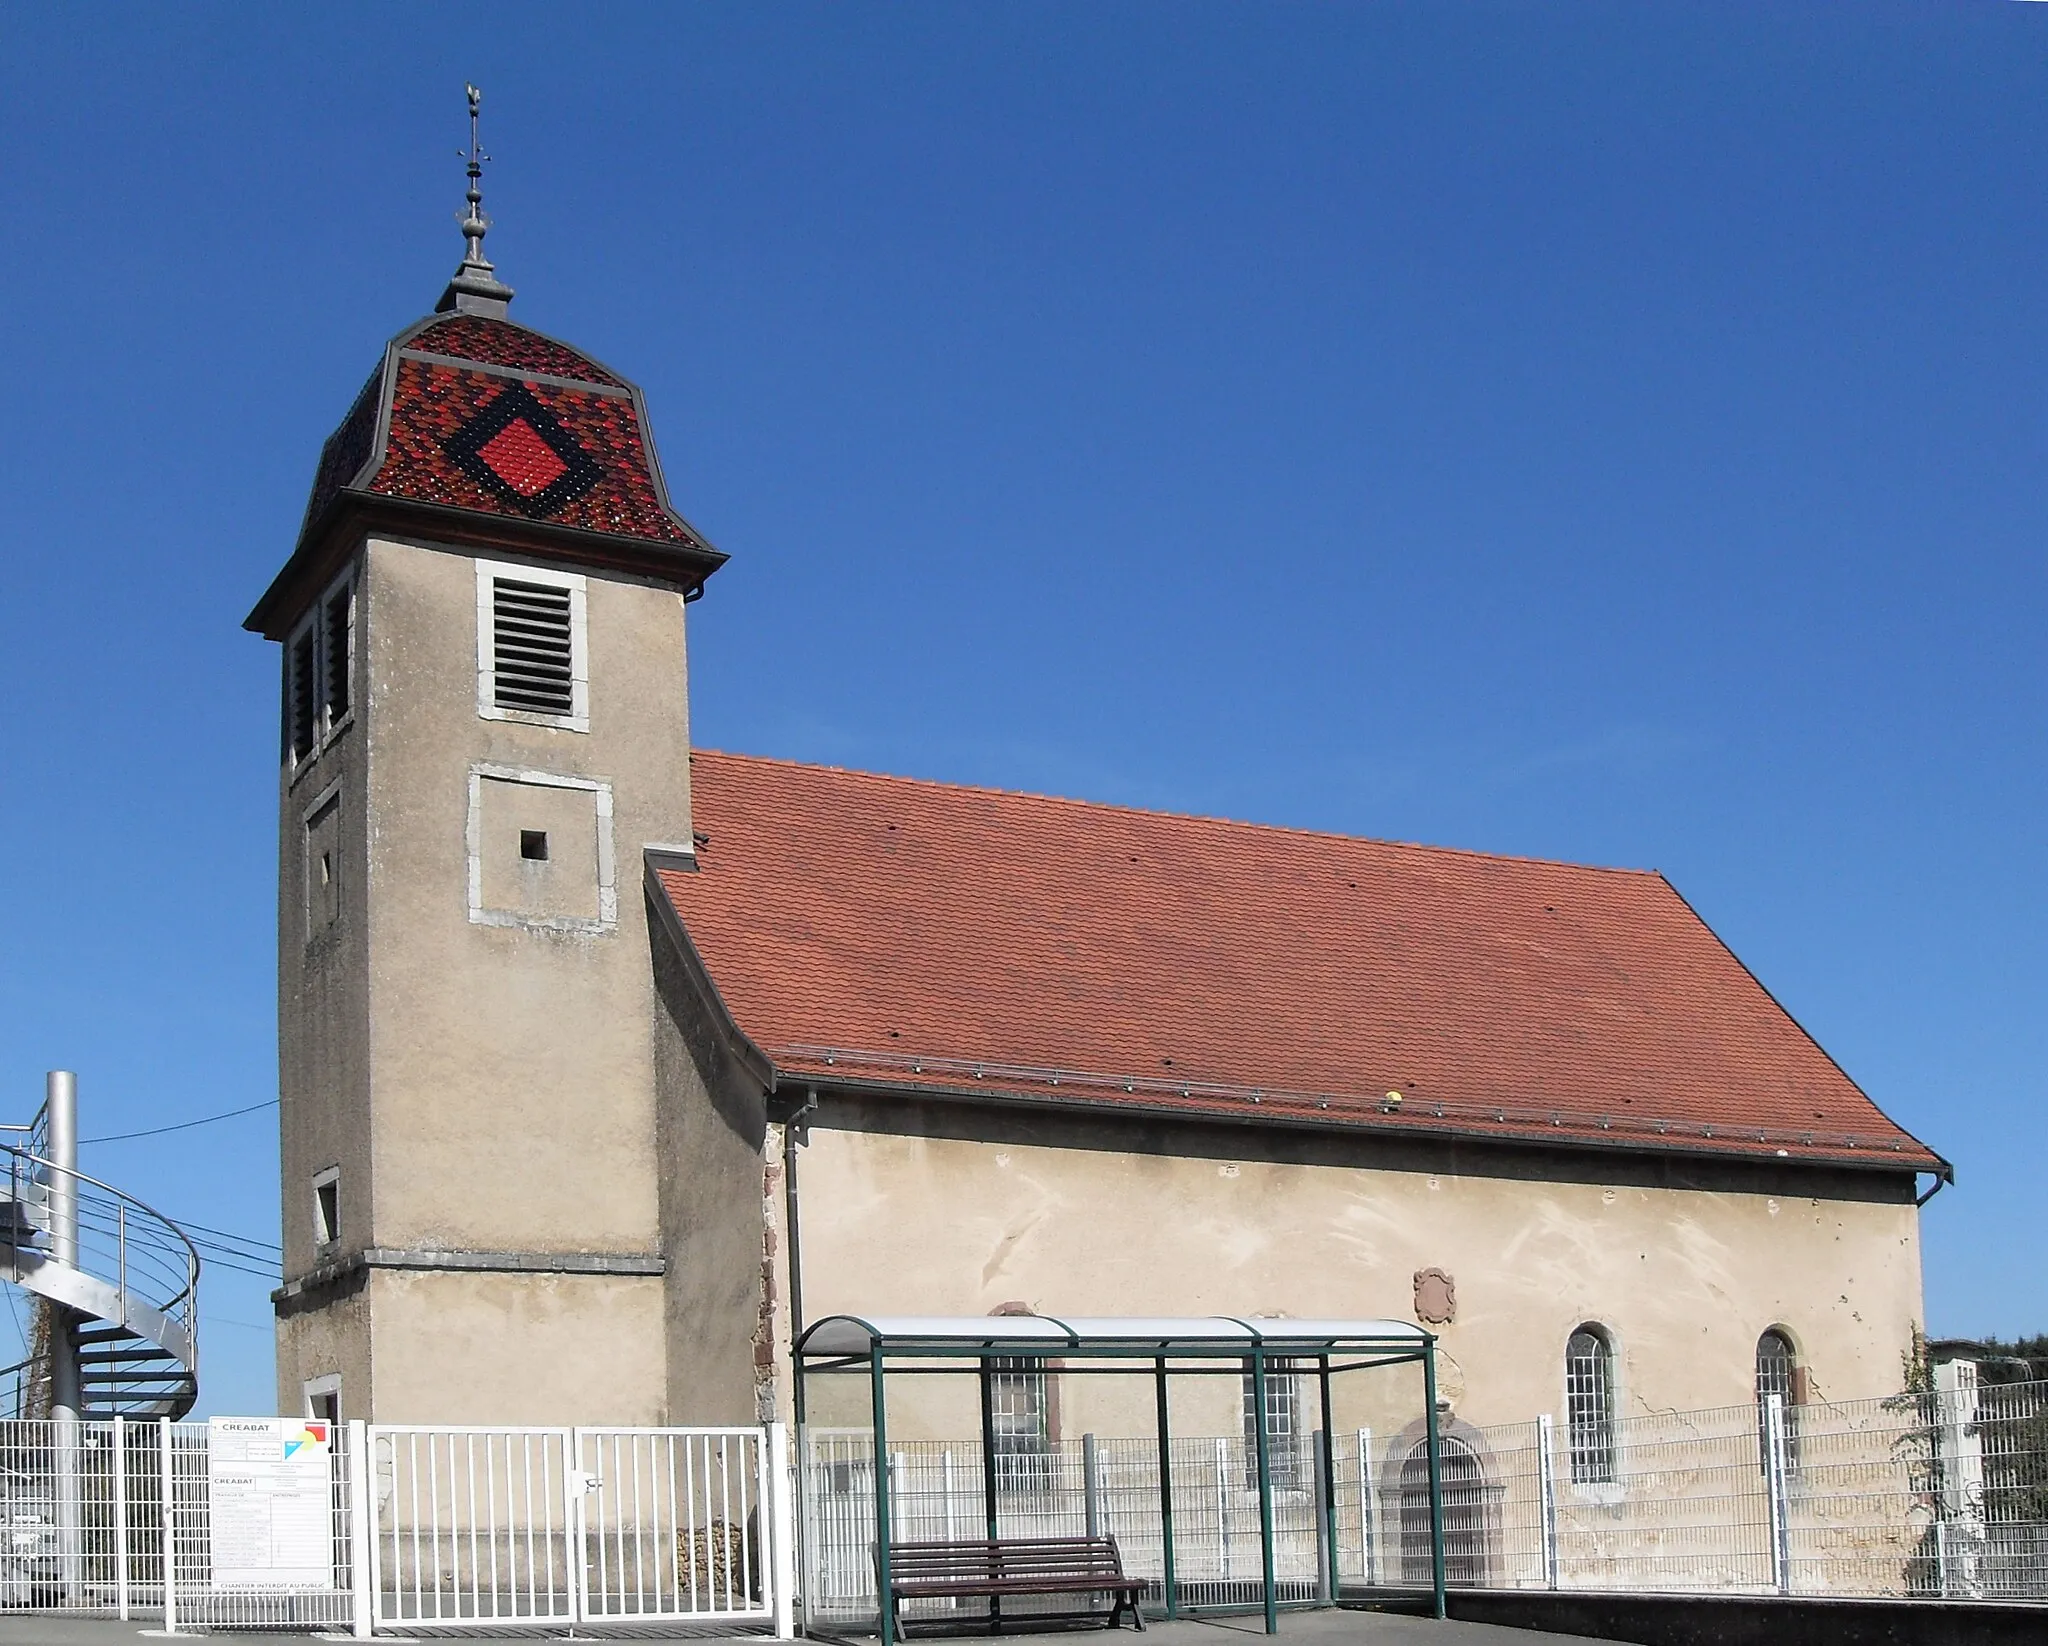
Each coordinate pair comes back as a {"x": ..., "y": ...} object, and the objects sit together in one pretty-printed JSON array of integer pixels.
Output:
[
  {"x": 489, "y": 431},
  {"x": 477, "y": 413},
  {"x": 475, "y": 430}
]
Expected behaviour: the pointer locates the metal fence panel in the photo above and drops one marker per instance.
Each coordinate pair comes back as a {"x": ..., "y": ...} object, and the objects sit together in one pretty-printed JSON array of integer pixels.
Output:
[
  {"x": 1068, "y": 1488},
  {"x": 474, "y": 1525},
  {"x": 486, "y": 1525},
  {"x": 675, "y": 1523},
  {"x": 186, "y": 1531},
  {"x": 68, "y": 1522},
  {"x": 1937, "y": 1494},
  {"x": 1942, "y": 1493}
]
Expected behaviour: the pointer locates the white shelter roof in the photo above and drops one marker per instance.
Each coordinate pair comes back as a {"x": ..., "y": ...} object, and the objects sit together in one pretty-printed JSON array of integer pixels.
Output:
[{"x": 1142, "y": 1337}]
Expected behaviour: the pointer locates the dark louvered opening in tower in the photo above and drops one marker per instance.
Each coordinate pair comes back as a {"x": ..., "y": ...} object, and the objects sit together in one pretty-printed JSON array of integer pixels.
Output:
[
  {"x": 335, "y": 619},
  {"x": 533, "y": 653},
  {"x": 302, "y": 697}
]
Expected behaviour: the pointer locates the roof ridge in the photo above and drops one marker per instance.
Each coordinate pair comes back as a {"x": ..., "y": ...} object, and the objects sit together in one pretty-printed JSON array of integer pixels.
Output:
[{"x": 1185, "y": 817}]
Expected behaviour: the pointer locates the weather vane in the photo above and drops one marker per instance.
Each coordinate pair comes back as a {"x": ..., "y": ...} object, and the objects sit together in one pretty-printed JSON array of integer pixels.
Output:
[
  {"x": 476, "y": 158},
  {"x": 476, "y": 287}
]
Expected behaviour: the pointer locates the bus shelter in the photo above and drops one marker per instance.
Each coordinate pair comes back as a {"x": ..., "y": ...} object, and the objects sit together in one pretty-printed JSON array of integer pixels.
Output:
[{"x": 884, "y": 1373}]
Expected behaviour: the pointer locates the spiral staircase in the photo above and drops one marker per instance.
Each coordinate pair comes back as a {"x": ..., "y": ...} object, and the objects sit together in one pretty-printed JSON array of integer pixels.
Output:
[{"x": 119, "y": 1334}]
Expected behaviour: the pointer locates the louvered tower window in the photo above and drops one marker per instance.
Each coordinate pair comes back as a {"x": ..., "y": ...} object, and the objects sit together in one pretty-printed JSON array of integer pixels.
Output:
[
  {"x": 530, "y": 646},
  {"x": 301, "y": 690},
  {"x": 1589, "y": 1405},
  {"x": 337, "y": 630},
  {"x": 319, "y": 664},
  {"x": 532, "y": 651}
]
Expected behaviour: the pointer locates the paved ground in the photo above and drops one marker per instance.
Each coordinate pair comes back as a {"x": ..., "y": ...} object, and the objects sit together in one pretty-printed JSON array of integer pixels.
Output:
[{"x": 1325, "y": 1628}]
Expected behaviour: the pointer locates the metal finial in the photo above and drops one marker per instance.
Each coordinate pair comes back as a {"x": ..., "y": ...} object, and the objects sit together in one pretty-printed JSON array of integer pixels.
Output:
[{"x": 476, "y": 288}]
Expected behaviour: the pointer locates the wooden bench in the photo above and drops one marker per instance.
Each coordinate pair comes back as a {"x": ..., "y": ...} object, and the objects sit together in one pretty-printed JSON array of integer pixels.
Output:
[{"x": 989, "y": 1569}]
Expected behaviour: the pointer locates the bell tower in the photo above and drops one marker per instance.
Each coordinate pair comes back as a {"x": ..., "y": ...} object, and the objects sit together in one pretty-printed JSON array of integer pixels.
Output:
[{"x": 485, "y": 731}]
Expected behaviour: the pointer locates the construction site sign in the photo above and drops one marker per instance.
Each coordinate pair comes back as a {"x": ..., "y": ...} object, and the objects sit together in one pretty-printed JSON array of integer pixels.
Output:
[{"x": 271, "y": 1486}]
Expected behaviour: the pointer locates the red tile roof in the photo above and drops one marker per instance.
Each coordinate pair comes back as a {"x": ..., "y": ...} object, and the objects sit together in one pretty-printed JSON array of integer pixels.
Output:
[{"x": 923, "y": 935}]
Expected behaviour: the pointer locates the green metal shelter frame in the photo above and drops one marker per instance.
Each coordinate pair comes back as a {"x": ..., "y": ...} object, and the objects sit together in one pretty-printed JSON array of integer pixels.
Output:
[{"x": 876, "y": 1345}]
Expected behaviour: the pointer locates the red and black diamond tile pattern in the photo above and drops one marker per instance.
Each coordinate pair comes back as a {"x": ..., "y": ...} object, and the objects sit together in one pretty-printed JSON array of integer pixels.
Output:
[
  {"x": 518, "y": 449},
  {"x": 477, "y": 442}
]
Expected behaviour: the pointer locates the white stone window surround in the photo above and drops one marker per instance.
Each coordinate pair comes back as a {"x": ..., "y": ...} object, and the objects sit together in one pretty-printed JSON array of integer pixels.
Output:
[
  {"x": 328, "y": 796},
  {"x": 488, "y": 572},
  {"x": 317, "y": 1389},
  {"x": 607, "y": 876},
  {"x": 326, "y": 1224},
  {"x": 327, "y": 726}
]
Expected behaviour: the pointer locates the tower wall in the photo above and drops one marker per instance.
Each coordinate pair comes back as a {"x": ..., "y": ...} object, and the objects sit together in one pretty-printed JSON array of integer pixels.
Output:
[
  {"x": 478, "y": 1053},
  {"x": 323, "y": 1026}
]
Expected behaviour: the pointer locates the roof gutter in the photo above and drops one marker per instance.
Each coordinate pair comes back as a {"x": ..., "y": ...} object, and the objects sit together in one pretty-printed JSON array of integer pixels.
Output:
[{"x": 854, "y": 1085}]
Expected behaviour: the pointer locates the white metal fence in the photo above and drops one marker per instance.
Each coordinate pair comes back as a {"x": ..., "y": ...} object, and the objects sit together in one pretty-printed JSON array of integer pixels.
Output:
[
  {"x": 81, "y": 1523},
  {"x": 405, "y": 1527},
  {"x": 1943, "y": 1493},
  {"x": 203, "y": 1597},
  {"x": 1084, "y": 1487},
  {"x": 477, "y": 1525},
  {"x": 1938, "y": 1494}
]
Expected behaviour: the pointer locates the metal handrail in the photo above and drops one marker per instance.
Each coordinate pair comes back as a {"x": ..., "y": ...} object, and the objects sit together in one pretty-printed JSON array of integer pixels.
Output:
[{"x": 149, "y": 1245}]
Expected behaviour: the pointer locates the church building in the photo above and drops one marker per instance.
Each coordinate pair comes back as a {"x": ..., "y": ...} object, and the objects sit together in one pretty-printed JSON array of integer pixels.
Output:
[{"x": 607, "y": 1062}]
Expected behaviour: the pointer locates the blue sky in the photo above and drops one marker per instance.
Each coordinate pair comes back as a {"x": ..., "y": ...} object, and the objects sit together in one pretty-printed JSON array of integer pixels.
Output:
[{"x": 1603, "y": 432}]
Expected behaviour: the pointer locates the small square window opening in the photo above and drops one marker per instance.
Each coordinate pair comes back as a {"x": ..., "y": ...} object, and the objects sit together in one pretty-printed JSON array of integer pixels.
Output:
[
  {"x": 323, "y": 866},
  {"x": 323, "y": 1398},
  {"x": 533, "y": 845}
]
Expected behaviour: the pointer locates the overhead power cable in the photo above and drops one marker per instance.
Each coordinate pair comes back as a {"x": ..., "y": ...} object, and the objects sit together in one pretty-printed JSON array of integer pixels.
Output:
[
  {"x": 212, "y": 1263},
  {"x": 230, "y": 1248},
  {"x": 229, "y": 1235},
  {"x": 181, "y": 1126}
]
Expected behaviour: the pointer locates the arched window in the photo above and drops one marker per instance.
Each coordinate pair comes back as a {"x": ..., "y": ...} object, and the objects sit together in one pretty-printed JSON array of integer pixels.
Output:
[
  {"x": 1775, "y": 1365},
  {"x": 1468, "y": 1514},
  {"x": 1777, "y": 1373},
  {"x": 1017, "y": 1418},
  {"x": 1589, "y": 1404}
]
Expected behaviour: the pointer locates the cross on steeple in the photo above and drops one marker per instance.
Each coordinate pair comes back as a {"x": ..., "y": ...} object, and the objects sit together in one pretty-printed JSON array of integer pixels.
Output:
[{"x": 476, "y": 288}]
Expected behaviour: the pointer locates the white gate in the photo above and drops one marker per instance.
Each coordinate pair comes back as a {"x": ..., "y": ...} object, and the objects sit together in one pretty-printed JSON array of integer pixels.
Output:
[
  {"x": 674, "y": 1523},
  {"x": 484, "y": 1525}
]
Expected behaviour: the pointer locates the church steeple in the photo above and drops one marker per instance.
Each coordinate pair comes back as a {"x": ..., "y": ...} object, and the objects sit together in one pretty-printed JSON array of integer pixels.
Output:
[
  {"x": 476, "y": 288},
  {"x": 476, "y": 431},
  {"x": 485, "y": 728}
]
